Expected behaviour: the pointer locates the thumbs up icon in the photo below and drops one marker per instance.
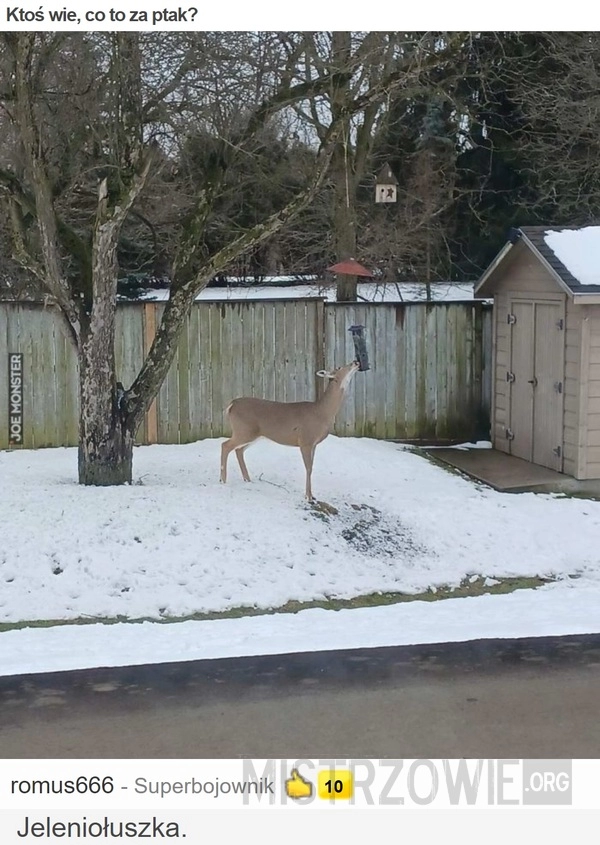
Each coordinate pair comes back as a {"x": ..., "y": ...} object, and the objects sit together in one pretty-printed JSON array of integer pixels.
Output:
[{"x": 298, "y": 787}]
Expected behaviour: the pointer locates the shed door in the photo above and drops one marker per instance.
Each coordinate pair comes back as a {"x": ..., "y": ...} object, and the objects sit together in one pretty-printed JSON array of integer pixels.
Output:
[{"x": 536, "y": 395}]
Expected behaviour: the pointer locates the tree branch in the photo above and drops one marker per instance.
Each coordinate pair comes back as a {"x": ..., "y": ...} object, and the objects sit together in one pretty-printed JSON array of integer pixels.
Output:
[
  {"x": 24, "y": 48},
  {"x": 161, "y": 353}
]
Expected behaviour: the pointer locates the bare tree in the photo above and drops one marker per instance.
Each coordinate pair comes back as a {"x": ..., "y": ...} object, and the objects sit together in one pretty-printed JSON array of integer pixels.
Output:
[
  {"x": 557, "y": 97},
  {"x": 92, "y": 122},
  {"x": 531, "y": 151},
  {"x": 359, "y": 62}
]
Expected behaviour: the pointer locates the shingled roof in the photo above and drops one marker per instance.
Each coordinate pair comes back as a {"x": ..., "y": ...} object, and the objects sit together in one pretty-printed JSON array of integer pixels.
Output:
[
  {"x": 535, "y": 235},
  {"x": 534, "y": 238}
]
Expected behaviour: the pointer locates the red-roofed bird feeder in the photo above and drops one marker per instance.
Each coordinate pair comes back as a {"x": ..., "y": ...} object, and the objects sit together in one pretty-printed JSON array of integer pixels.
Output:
[{"x": 350, "y": 267}]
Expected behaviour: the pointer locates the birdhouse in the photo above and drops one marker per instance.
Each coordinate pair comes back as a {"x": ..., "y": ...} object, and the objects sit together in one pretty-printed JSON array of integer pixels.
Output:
[{"x": 386, "y": 187}]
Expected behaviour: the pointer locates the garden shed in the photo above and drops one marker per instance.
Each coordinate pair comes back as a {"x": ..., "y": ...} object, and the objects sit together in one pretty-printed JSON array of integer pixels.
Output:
[{"x": 545, "y": 283}]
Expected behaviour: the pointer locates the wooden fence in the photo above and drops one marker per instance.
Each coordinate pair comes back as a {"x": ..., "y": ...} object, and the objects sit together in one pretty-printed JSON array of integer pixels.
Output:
[{"x": 430, "y": 376}]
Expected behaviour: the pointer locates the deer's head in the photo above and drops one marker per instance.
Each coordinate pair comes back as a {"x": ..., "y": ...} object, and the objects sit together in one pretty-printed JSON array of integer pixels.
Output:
[{"x": 341, "y": 376}]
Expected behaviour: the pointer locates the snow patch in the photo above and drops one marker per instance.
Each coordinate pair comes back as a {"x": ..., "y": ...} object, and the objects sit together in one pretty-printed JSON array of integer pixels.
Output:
[
  {"x": 579, "y": 251},
  {"x": 367, "y": 292},
  {"x": 177, "y": 543}
]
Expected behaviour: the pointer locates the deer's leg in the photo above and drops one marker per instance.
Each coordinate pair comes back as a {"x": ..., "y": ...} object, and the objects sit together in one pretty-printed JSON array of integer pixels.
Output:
[
  {"x": 240, "y": 456},
  {"x": 227, "y": 447},
  {"x": 308, "y": 454}
]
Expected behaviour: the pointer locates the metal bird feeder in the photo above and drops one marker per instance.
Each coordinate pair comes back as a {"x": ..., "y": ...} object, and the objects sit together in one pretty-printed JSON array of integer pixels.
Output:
[
  {"x": 350, "y": 267},
  {"x": 360, "y": 347}
]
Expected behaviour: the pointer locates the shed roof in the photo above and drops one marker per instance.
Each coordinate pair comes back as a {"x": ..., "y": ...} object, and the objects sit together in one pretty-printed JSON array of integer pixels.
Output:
[{"x": 570, "y": 253}]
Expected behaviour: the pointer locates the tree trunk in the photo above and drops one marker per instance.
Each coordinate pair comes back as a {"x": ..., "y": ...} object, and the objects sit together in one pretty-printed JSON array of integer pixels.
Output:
[
  {"x": 105, "y": 433},
  {"x": 428, "y": 266},
  {"x": 105, "y": 454},
  {"x": 342, "y": 163},
  {"x": 344, "y": 221}
]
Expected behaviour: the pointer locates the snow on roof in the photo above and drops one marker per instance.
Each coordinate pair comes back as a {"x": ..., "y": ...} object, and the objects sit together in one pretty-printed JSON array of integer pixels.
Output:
[{"x": 579, "y": 251}]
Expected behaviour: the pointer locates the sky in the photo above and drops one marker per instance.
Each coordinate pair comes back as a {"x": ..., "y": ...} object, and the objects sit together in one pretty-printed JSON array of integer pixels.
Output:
[{"x": 177, "y": 543}]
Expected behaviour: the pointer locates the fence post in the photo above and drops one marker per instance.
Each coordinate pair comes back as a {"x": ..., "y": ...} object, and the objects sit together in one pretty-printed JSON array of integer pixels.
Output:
[
  {"x": 149, "y": 335},
  {"x": 320, "y": 344}
]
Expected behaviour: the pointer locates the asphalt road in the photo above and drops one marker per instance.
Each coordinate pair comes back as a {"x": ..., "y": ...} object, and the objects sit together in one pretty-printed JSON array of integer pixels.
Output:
[{"x": 532, "y": 698}]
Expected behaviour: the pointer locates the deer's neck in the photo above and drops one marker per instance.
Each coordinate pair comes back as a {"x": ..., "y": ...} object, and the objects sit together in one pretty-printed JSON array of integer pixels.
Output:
[{"x": 331, "y": 401}]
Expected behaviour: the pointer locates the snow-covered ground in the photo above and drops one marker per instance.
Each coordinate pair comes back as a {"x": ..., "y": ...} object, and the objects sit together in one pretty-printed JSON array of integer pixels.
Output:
[
  {"x": 177, "y": 542},
  {"x": 367, "y": 292}
]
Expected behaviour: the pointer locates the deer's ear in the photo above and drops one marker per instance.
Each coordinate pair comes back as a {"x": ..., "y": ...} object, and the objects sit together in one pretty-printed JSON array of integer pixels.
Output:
[{"x": 325, "y": 374}]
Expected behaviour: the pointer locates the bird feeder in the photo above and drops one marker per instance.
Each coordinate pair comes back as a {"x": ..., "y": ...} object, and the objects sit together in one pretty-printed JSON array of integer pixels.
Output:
[
  {"x": 350, "y": 267},
  {"x": 386, "y": 186},
  {"x": 360, "y": 347}
]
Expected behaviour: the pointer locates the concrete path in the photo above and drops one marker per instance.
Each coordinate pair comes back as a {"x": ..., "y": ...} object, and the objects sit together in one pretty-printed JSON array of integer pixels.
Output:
[
  {"x": 513, "y": 475},
  {"x": 488, "y": 698}
]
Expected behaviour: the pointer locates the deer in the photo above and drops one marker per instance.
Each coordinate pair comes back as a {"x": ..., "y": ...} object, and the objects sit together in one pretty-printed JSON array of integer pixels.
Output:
[{"x": 301, "y": 424}]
